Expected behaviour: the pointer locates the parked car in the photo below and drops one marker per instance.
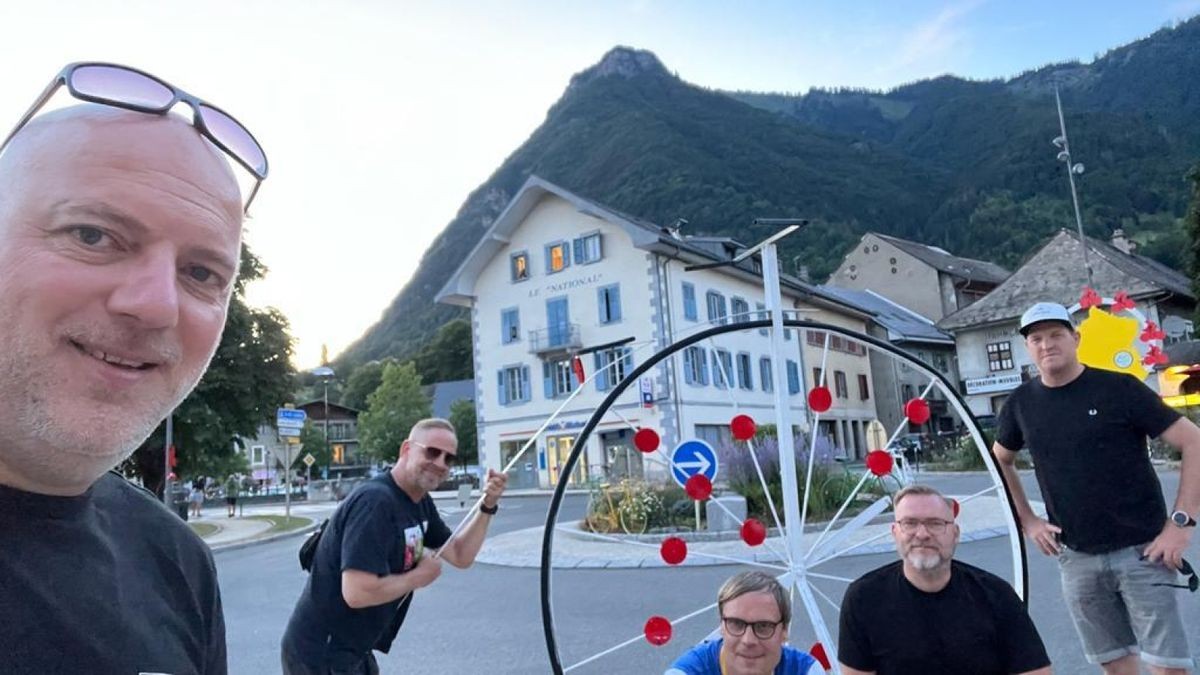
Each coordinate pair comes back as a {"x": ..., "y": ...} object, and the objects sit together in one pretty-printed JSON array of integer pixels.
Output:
[{"x": 457, "y": 478}]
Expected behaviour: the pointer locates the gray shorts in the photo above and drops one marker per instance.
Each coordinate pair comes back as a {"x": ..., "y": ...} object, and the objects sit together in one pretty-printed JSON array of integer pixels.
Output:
[{"x": 1117, "y": 611}]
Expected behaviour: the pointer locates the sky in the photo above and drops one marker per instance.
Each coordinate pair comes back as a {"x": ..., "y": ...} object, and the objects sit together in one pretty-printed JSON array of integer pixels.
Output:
[{"x": 380, "y": 116}]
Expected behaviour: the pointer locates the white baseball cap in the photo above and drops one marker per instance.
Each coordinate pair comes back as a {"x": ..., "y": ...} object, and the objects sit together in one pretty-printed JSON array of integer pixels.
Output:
[{"x": 1044, "y": 311}]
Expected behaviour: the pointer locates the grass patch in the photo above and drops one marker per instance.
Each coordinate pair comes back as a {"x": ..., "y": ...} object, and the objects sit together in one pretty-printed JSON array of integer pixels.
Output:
[
  {"x": 203, "y": 529},
  {"x": 283, "y": 524}
]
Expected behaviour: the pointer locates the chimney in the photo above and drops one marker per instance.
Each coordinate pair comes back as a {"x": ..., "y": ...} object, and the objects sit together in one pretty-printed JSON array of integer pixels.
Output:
[
  {"x": 1121, "y": 242},
  {"x": 673, "y": 229},
  {"x": 802, "y": 273}
]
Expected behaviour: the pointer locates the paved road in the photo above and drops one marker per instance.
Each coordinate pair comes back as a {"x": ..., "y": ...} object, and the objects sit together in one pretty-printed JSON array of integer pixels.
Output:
[{"x": 487, "y": 619}]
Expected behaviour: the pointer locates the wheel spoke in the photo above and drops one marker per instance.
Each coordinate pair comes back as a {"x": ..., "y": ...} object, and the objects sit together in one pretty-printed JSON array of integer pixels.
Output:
[
  {"x": 636, "y": 639},
  {"x": 854, "y": 525}
]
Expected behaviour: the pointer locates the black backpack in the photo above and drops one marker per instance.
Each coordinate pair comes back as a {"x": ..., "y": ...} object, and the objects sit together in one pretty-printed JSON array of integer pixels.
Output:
[{"x": 308, "y": 550}]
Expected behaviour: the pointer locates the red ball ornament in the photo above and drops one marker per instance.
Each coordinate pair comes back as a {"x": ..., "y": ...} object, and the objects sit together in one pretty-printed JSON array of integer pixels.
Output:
[
  {"x": 673, "y": 550},
  {"x": 753, "y": 532},
  {"x": 954, "y": 506},
  {"x": 698, "y": 487},
  {"x": 818, "y": 652},
  {"x": 743, "y": 427},
  {"x": 819, "y": 399},
  {"x": 657, "y": 630},
  {"x": 917, "y": 411},
  {"x": 646, "y": 440},
  {"x": 880, "y": 462}
]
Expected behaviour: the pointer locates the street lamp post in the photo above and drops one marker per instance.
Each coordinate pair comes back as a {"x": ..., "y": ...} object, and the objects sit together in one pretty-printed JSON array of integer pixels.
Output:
[
  {"x": 326, "y": 374},
  {"x": 1073, "y": 169}
]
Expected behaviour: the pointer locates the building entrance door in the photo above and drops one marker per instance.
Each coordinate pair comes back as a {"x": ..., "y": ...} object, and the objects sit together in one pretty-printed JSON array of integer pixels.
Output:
[
  {"x": 558, "y": 449},
  {"x": 524, "y": 473}
]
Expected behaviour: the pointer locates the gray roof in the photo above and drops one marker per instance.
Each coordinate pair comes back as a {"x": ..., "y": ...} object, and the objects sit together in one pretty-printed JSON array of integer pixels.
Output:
[
  {"x": 443, "y": 394},
  {"x": 943, "y": 261},
  {"x": 1056, "y": 273},
  {"x": 901, "y": 323}
]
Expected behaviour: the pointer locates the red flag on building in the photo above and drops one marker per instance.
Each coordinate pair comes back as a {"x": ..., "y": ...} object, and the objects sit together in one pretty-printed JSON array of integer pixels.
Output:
[{"x": 577, "y": 366}]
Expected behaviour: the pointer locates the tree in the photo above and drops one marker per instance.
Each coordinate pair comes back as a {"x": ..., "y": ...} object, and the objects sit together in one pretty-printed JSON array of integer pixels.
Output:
[
  {"x": 249, "y": 377},
  {"x": 449, "y": 355},
  {"x": 362, "y": 383},
  {"x": 312, "y": 442},
  {"x": 1193, "y": 229},
  {"x": 392, "y": 409},
  {"x": 462, "y": 416}
]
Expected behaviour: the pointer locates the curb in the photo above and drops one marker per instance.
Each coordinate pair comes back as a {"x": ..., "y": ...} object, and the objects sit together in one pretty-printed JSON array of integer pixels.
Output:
[{"x": 234, "y": 545}]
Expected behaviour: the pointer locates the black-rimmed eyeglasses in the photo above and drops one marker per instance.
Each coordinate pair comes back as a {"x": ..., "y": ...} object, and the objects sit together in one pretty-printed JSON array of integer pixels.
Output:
[
  {"x": 132, "y": 89},
  {"x": 934, "y": 526},
  {"x": 763, "y": 630}
]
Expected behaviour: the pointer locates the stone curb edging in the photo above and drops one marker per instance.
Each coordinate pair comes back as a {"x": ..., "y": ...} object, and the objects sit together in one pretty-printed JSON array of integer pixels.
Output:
[{"x": 234, "y": 545}]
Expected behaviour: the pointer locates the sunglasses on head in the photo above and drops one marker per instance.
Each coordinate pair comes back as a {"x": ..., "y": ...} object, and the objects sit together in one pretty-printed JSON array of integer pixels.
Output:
[
  {"x": 432, "y": 454},
  {"x": 131, "y": 89},
  {"x": 1193, "y": 581}
]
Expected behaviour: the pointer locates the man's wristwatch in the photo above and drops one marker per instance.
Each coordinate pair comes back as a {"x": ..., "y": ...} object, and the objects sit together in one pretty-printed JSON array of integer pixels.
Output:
[
  {"x": 491, "y": 510},
  {"x": 1182, "y": 519}
]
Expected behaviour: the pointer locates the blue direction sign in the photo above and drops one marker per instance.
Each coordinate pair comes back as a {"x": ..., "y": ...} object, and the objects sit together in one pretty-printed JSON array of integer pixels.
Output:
[
  {"x": 289, "y": 418},
  {"x": 693, "y": 457}
]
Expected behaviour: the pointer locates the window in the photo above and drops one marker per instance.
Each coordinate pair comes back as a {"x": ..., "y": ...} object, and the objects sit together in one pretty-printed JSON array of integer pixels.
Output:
[
  {"x": 745, "y": 372},
  {"x": 256, "y": 454},
  {"x": 740, "y": 310},
  {"x": 716, "y": 435},
  {"x": 999, "y": 356},
  {"x": 518, "y": 265},
  {"x": 612, "y": 365},
  {"x": 609, "y": 300},
  {"x": 717, "y": 312},
  {"x": 695, "y": 366},
  {"x": 766, "y": 377},
  {"x": 510, "y": 326},
  {"x": 558, "y": 378},
  {"x": 839, "y": 384},
  {"x": 514, "y": 385},
  {"x": 864, "y": 392},
  {"x": 837, "y": 343},
  {"x": 339, "y": 453},
  {"x": 793, "y": 375},
  {"x": 722, "y": 368},
  {"x": 689, "y": 302},
  {"x": 762, "y": 314},
  {"x": 558, "y": 258},
  {"x": 587, "y": 249},
  {"x": 815, "y": 338},
  {"x": 817, "y": 377}
]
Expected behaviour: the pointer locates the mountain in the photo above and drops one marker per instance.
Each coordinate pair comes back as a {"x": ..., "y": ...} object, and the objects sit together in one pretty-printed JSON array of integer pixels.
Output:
[{"x": 966, "y": 165}]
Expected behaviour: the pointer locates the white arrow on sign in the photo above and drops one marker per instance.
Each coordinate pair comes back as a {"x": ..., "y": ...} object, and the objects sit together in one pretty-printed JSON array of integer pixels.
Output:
[{"x": 700, "y": 465}]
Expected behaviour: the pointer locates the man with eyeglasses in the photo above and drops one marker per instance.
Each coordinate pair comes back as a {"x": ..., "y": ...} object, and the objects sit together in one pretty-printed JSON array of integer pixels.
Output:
[
  {"x": 1108, "y": 525},
  {"x": 755, "y": 612},
  {"x": 374, "y": 554},
  {"x": 120, "y": 233},
  {"x": 929, "y": 613}
]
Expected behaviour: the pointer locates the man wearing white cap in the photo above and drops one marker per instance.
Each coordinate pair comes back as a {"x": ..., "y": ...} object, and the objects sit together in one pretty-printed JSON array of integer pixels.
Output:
[{"x": 1118, "y": 550}]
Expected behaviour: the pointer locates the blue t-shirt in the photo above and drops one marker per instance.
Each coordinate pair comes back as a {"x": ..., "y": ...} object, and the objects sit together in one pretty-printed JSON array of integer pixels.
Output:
[{"x": 705, "y": 659}]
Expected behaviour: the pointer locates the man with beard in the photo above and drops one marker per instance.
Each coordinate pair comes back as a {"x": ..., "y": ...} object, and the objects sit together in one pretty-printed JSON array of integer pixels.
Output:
[
  {"x": 928, "y": 613},
  {"x": 120, "y": 231},
  {"x": 373, "y": 555}
]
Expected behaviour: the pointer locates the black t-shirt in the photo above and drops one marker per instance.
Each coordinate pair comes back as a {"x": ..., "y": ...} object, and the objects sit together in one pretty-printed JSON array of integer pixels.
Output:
[
  {"x": 1088, "y": 441},
  {"x": 106, "y": 582},
  {"x": 976, "y": 625},
  {"x": 378, "y": 529}
]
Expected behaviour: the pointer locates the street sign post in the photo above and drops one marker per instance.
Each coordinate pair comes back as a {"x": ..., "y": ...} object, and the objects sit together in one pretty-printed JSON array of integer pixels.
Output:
[
  {"x": 289, "y": 422},
  {"x": 691, "y": 458},
  {"x": 309, "y": 460}
]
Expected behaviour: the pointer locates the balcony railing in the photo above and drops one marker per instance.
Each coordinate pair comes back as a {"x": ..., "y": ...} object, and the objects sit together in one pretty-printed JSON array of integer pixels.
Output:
[{"x": 562, "y": 337}]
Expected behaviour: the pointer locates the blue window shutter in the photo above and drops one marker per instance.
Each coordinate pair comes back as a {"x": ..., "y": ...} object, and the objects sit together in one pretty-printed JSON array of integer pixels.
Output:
[
  {"x": 793, "y": 375},
  {"x": 627, "y": 354},
  {"x": 687, "y": 366},
  {"x": 566, "y": 255},
  {"x": 689, "y": 301},
  {"x": 577, "y": 245},
  {"x": 614, "y": 304},
  {"x": 525, "y": 387},
  {"x": 703, "y": 358},
  {"x": 546, "y": 251},
  {"x": 604, "y": 303},
  {"x": 547, "y": 380},
  {"x": 503, "y": 389},
  {"x": 599, "y": 246},
  {"x": 601, "y": 374}
]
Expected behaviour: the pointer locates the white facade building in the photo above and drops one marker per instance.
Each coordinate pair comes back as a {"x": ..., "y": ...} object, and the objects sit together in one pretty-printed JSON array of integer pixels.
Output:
[{"x": 557, "y": 275}]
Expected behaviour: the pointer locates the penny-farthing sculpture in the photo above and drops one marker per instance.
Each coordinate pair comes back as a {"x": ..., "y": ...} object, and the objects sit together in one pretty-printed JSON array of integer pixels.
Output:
[{"x": 813, "y": 558}]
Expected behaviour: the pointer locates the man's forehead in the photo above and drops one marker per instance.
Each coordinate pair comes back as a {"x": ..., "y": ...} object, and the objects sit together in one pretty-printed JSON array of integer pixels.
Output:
[
  {"x": 923, "y": 504},
  {"x": 105, "y": 136}
]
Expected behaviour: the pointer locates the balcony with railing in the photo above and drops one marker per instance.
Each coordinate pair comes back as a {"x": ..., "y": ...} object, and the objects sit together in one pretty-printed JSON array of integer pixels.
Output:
[{"x": 555, "y": 339}]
